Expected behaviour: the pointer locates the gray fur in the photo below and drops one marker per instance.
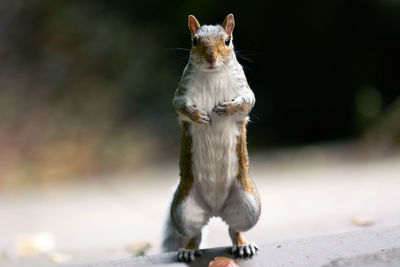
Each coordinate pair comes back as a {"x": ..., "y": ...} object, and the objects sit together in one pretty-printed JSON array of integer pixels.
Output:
[
  {"x": 173, "y": 240},
  {"x": 237, "y": 207}
]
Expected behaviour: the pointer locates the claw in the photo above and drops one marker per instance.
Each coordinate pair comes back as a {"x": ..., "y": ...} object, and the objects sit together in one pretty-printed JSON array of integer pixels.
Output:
[
  {"x": 204, "y": 119},
  {"x": 221, "y": 108},
  {"x": 180, "y": 255},
  {"x": 197, "y": 253},
  {"x": 245, "y": 251},
  {"x": 234, "y": 249},
  {"x": 255, "y": 246},
  {"x": 187, "y": 255},
  {"x": 203, "y": 113},
  {"x": 253, "y": 250}
]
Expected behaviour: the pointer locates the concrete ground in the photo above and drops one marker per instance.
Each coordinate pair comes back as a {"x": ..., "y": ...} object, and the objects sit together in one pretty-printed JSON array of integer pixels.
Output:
[
  {"x": 362, "y": 248},
  {"x": 117, "y": 216}
]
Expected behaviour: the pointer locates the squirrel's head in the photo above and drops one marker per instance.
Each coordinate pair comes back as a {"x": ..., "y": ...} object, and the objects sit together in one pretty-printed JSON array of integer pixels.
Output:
[{"x": 211, "y": 45}]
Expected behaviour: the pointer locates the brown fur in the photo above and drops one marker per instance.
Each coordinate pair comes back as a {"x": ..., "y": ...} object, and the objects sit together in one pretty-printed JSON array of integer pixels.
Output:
[
  {"x": 243, "y": 166},
  {"x": 212, "y": 49},
  {"x": 240, "y": 240},
  {"x": 186, "y": 173},
  {"x": 191, "y": 244},
  {"x": 185, "y": 162},
  {"x": 232, "y": 109},
  {"x": 192, "y": 115},
  {"x": 244, "y": 107}
]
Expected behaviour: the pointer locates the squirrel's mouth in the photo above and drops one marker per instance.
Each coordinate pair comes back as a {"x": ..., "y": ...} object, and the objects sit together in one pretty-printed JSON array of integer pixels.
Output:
[{"x": 211, "y": 66}]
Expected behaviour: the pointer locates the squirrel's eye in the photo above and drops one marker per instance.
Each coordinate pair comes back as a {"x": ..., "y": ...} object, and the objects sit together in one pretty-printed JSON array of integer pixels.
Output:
[
  {"x": 195, "y": 41},
  {"x": 227, "y": 41}
]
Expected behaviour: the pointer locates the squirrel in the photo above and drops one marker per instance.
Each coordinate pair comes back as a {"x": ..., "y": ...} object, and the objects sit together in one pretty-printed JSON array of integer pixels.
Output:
[{"x": 213, "y": 100}]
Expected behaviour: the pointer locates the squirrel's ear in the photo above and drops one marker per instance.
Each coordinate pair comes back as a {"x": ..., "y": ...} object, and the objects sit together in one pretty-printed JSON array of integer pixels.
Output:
[
  {"x": 193, "y": 24},
  {"x": 229, "y": 24}
]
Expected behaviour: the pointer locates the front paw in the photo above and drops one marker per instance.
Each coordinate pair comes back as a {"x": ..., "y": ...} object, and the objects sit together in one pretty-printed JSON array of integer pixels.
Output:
[
  {"x": 203, "y": 117},
  {"x": 226, "y": 108},
  {"x": 188, "y": 255},
  {"x": 245, "y": 251},
  {"x": 197, "y": 115}
]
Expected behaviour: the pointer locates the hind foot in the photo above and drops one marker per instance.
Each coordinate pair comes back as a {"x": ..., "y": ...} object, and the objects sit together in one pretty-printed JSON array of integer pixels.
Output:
[
  {"x": 188, "y": 255},
  {"x": 245, "y": 251}
]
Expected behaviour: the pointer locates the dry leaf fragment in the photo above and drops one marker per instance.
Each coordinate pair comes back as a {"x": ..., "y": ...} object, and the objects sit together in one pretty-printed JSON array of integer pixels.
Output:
[
  {"x": 139, "y": 249},
  {"x": 362, "y": 221},
  {"x": 58, "y": 257},
  {"x": 223, "y": 262},
  {"x": 32, "y": 244}
]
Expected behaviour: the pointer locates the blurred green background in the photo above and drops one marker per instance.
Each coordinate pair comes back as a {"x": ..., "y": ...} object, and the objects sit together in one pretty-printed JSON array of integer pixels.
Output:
[{"x": 86, "y": 86}]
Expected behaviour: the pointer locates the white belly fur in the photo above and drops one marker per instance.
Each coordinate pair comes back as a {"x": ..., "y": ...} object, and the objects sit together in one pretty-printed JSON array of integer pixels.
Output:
[{"x": 215, "y": 162}]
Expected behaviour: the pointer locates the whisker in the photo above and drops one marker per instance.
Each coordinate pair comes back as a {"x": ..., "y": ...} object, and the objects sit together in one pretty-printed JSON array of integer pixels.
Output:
[
  {"x": 248, "y": 54},
  {"x": 237, "y": 52},
  {"x": 244, "y": 57},
  {"x": 254, "y": 115},
  {"x": 178, "y": 49},
  {"x": 247, "y": 68}
]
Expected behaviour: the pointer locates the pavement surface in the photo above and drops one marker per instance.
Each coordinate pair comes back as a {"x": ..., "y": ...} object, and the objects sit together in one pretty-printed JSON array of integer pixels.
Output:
[
  {"x": 362, "y": 248},
  {"x": 118, "y": 216}
]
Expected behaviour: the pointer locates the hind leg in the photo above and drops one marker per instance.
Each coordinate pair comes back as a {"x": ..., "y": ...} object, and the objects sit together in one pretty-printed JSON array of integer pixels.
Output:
[
  {"x": 241, "y": 213},
  {"x": 172, "y": 239},
  {"x": 184, "y": 228},
  {"x": 190, "y": 221},
  {"x": 187, "y": 247}
]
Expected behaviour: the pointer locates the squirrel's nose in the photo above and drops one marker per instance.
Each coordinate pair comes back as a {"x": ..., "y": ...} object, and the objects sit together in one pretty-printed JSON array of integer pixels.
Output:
[{"x": 211, "y": 58}]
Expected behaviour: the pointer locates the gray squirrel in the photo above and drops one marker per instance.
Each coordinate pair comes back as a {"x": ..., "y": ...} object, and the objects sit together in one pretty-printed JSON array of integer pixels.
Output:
[{"x": 212, "y": 101}]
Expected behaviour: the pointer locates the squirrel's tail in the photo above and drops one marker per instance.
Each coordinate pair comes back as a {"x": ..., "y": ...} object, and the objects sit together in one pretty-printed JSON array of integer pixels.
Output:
[{"x": 172, "y": 240}]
